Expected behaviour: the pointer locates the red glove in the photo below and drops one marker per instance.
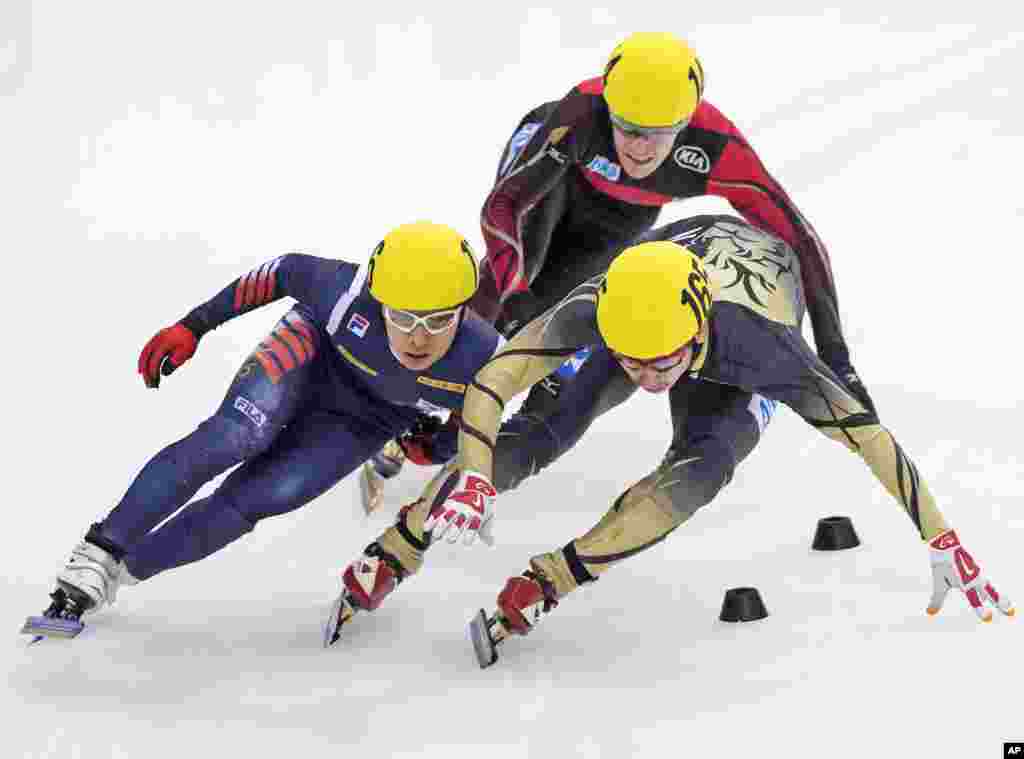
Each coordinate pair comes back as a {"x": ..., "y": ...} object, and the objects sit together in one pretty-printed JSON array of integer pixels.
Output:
[{"x": 166, "y": 351}]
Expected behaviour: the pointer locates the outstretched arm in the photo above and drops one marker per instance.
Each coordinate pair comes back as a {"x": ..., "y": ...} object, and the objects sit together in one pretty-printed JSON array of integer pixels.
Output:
[
  {"x": 740, "y": 177},
  {"x": 826, "y": 404},
  {"x": 294, "y": 275},
  {"x": 460, "y": 500},
  {"x": 541, "y": 347}
]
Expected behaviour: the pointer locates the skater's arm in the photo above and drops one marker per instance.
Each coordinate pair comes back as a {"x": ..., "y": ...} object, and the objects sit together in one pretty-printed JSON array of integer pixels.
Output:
[
  {"x": 793, "y": 375},
  {"x": 543, "y": 163},
  {"x": 537, "y": 350},
  {"x": 739, "y": 176},
  {"x": 825, "y": 403},
  {"x": 296, "y": 275},
  {"x": 299, "y": 276}
]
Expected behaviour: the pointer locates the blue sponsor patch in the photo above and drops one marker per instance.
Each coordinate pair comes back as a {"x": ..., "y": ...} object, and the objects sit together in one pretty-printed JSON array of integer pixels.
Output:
[
  {"x": 763, "y": 410},
  {"x": 605, "y": 167},
  {"x": 572, "y": 366},
  {"x": 519, "y": 141},
  {"x": 358, "y": 325}
]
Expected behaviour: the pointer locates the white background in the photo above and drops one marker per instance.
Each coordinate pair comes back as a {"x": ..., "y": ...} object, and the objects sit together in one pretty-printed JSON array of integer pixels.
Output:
[{"x": 150, "y": 153}]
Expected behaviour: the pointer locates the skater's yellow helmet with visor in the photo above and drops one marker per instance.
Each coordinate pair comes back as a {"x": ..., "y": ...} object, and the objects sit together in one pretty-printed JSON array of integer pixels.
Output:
[
  {"x": 653, "y": 83},
  {"x": 423, "y": 267},
  {"x": 654, "y": 300}
]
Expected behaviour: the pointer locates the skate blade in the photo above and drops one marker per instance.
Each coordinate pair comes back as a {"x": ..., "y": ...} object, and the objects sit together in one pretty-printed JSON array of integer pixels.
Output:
[
  {"x": 371, "y": 489},
  {"x": 484, "y": 646},
  {"x": 52, "y": 627},
  {"x": 341, "y": 612}
]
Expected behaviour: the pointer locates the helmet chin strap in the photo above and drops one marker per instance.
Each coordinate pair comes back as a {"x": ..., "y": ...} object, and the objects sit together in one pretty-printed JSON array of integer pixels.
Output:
[{"x": 700, "y": 353}]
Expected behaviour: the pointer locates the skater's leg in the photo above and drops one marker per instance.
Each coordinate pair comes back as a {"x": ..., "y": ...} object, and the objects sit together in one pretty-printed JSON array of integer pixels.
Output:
[
  {"x": 255, "y": 409},
  {"x": 309, "y": 457},
  {"x": 725, "y": 426}
]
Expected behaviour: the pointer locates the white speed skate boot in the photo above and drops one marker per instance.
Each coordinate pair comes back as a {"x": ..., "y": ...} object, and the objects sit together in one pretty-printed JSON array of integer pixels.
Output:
[
  {"x": 89, "y": 581},
  {"x": 91, "y": 577}
]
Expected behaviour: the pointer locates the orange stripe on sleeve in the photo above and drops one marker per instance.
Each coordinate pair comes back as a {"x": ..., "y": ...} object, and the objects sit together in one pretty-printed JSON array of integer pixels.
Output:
[
  {"x": 269, "y": 366},
  {"x": 280, "y": 350},
  {"x": 252, "y": 284},
  {"x": 272, "y": 279},
  {"x": 264, "y": 288},
  {"x": 300, "y": 326},
  {"x": 240, "y": 292},
  {"x": 283, "y": 333}
]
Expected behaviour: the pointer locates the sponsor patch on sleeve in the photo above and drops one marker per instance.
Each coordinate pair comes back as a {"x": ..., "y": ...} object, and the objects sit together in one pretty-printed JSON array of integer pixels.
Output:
[
  {"x": 763, "y": 410},
  {"x": 358, "y": 324},
  {"x": 249, "y": 408},
  {"x": 693, "y": 158}
]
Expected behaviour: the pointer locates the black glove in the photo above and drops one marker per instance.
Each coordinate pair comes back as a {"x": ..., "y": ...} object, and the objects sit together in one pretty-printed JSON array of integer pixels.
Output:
[
  {"x": 418, "y": 442},
  {"x": 517, "y": 310}
]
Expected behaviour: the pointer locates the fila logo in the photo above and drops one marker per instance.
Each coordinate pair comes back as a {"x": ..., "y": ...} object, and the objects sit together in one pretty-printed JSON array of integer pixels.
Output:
[
  {"x": 249, "y": 408},
  {"x": 693, "y": 158},
  {"x": 358, "y": 325}
]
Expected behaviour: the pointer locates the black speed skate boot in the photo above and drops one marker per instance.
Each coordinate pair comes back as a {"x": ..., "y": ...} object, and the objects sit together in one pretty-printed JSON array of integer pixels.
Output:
[{"x": 520, "y": 605}]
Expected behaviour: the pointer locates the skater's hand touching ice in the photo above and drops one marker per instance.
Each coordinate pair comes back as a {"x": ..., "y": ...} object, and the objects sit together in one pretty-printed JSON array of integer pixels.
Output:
[{"x": 953, "y": 567}]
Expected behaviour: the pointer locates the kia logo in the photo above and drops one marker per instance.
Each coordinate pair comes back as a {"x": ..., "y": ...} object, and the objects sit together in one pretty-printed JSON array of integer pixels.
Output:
[{"x": 693, "y": 158}]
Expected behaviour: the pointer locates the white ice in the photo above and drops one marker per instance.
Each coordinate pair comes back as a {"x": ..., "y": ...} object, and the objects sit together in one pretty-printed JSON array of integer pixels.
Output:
[{"x": 151, "y": 152}]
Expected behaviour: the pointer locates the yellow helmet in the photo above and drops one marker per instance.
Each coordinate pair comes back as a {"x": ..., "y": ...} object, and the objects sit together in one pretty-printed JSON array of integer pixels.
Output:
[
  {"x": 423, "y": 267},
  {"x": 653, "y": 80},
  {"x": 654, "y": 299}
]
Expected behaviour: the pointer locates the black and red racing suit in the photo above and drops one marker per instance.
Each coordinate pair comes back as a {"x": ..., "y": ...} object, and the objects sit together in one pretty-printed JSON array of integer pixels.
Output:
[{"x": 561, "y": 196}]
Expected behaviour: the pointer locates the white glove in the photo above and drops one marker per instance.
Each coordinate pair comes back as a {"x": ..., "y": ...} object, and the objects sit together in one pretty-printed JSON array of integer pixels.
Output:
[
  {"x": 461, "y": 509},
  {"x": 953, "y": 567}
]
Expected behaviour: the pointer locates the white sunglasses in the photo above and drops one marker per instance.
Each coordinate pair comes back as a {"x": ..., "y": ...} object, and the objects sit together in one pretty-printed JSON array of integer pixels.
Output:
[{"x": 435, "y": 323}]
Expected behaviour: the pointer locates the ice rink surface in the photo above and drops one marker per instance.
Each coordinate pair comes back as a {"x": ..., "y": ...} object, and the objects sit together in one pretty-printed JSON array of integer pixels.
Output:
[{"x": 153, "y": 153}]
